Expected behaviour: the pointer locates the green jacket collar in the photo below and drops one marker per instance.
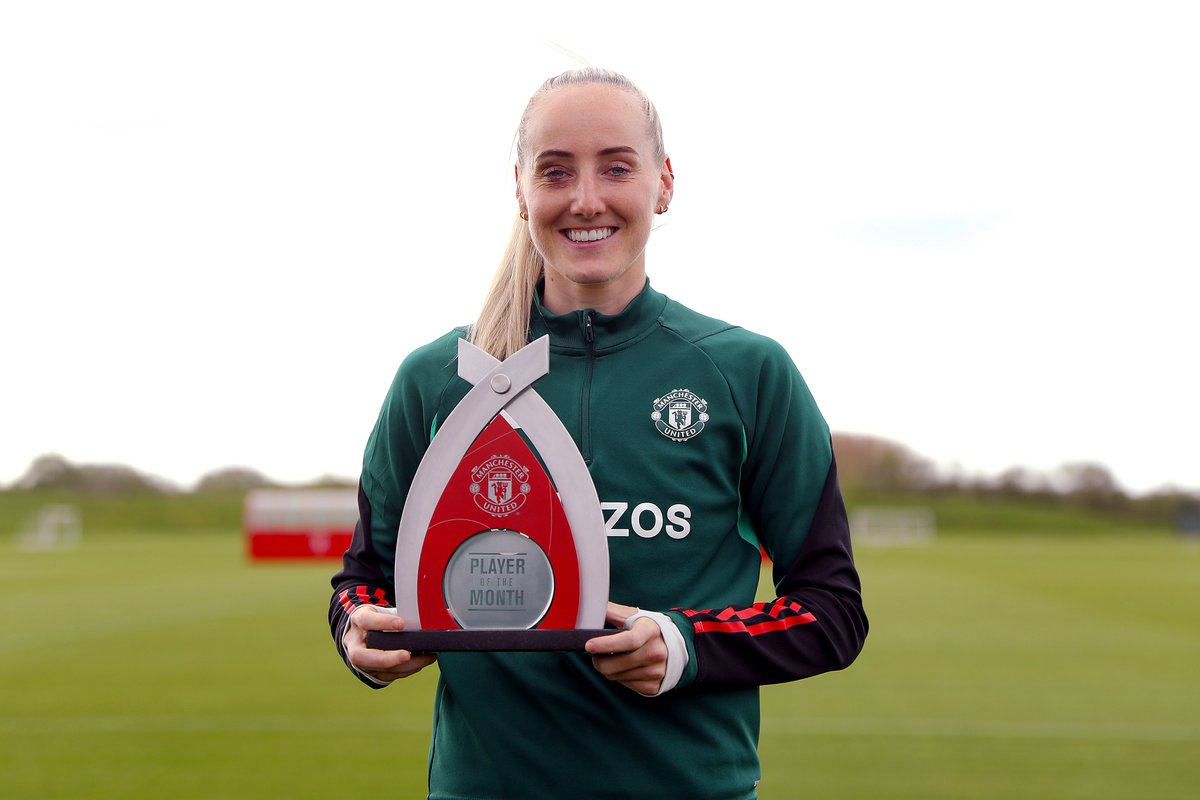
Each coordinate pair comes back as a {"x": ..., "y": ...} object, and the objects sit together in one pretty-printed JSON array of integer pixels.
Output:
[{"x": 569, "y": 332}]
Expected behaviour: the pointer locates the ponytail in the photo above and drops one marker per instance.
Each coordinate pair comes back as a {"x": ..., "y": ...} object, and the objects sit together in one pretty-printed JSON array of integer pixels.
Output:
[{"x": 503, "y": 325}]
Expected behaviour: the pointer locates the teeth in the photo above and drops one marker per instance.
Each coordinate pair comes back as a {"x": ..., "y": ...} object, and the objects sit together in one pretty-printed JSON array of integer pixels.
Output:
[{"x": 589, "y": 236}]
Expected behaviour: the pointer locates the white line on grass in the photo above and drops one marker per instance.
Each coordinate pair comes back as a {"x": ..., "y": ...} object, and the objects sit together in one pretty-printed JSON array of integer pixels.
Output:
[
  {"x": 197, "y": 723},
  {"x": 994, "y": 729},
  {"x": 997, "y": 729}
]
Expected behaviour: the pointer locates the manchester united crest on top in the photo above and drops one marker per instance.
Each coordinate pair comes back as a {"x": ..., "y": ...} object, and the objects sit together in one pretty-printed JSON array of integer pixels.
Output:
[
  {"x": 500, "y": 485},
  {"x": 680, "y": 414}
]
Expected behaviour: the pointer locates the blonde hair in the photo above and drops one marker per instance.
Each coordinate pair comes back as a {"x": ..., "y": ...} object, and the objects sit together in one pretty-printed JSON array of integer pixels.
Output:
[{"x": 503, "y": 324}]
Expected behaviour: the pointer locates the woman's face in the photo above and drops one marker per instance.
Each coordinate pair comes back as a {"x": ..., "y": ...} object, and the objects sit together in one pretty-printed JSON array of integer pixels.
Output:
[{"x": 591, "y": 184}]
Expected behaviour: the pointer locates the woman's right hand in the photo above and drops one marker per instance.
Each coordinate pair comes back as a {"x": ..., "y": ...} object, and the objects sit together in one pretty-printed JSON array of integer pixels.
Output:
[{"x": 382, "y": 665}]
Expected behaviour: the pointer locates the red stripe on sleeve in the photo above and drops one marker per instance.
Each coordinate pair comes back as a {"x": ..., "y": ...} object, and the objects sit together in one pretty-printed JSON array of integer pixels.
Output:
[
  {"x": 362, "y": 596},
  {"x": 756, "y": 629},
  {"x": 760, "y": 618}
]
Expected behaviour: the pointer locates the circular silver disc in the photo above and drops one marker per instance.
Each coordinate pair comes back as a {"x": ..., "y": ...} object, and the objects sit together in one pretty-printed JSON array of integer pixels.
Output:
[{"x": 498, "y": 579}]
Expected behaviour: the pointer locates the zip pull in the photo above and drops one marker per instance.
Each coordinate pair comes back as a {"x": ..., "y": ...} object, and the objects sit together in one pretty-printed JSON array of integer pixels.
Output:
[{"x": 588, "y": 335}]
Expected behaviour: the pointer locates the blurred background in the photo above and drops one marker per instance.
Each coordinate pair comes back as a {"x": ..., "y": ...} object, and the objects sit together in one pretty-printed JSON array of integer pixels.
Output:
[{"x": 223, "y": 225}]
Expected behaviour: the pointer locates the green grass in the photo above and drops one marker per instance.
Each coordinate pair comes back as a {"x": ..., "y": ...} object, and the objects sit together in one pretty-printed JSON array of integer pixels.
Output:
[
  {"x": 1001, "y": 668},
  {"x": 164, "y": 664},
  {"x": 168, "y": 666}
]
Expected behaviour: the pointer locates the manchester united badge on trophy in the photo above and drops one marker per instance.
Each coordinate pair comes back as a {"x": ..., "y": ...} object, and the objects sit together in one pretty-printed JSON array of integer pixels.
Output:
[{"x": 501, "y": 544}]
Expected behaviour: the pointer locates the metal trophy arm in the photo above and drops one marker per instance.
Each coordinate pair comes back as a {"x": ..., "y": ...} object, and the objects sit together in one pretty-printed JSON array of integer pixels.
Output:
[{"x": 565, "y": 463}]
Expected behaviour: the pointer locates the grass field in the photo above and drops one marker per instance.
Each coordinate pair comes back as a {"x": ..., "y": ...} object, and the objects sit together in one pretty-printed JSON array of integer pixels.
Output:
[{"x": 164, "y": 664}]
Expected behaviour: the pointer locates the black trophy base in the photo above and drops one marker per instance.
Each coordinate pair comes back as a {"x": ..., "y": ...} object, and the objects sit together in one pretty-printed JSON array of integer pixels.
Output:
[{"x": 452, "y": 641}]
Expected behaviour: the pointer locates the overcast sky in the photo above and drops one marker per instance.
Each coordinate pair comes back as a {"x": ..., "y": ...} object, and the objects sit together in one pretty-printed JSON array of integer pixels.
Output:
[{"x": 973, "y": 225}]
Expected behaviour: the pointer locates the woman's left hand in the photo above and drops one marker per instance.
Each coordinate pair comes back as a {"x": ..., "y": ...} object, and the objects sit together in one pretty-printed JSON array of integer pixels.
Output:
[{"x": 635, "y": 658}]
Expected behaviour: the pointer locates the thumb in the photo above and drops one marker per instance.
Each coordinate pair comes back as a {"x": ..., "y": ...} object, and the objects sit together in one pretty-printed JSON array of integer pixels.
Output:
[
  {"x": 617, "y": 614},
  {"x": 377, "y": 618}
]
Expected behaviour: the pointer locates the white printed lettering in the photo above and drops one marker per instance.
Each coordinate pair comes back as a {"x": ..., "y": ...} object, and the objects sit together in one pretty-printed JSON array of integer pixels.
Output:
[
  {"x": 678, "y": 525},
  {"x": 610, "y": 521},
  {"x": 636, "y": 519},
  {"x": 647, "y": 520}
]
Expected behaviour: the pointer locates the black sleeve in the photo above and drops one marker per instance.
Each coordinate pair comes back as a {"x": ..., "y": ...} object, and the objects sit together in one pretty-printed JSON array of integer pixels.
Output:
[
  {"x": 816, "y": 625},
  {"x": 361, "y": 581}
]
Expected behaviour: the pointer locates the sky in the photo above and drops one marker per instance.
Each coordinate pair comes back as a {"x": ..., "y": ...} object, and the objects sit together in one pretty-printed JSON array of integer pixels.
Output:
[{"x": 974, "y": 226}]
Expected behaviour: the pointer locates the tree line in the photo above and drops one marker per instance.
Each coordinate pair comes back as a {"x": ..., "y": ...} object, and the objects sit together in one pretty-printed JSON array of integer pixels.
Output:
[
  {"x": 868, "y": 467},
  {"x": 872, "y": 466},
  {"x": 52, "y": 472}
]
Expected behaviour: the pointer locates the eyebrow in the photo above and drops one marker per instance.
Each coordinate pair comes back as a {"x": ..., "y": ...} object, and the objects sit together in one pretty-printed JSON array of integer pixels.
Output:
[{"x": 608, "y": 151}]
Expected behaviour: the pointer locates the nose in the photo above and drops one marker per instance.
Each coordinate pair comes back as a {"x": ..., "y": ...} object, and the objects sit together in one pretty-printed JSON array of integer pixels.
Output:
[{"x": 587, "y": 200}]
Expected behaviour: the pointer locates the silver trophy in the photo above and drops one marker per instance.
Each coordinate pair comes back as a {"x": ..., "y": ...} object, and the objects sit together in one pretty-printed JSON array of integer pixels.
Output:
[{"x": 502, "y": 544}]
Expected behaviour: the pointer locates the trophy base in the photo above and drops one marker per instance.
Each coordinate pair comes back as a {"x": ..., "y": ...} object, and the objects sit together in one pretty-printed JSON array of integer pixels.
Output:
[{"x": 451, "y": 641}]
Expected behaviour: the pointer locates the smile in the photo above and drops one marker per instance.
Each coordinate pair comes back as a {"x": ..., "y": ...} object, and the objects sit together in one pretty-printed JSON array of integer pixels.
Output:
[{"x": 593, "y": 235}]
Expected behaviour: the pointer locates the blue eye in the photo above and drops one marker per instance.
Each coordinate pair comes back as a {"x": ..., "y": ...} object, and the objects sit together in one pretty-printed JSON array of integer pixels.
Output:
[{"x": 554, "y": 174}]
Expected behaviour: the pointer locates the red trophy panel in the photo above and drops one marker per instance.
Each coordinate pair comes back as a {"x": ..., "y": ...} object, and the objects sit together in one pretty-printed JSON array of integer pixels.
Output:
[{"x": 499, "y": 484}]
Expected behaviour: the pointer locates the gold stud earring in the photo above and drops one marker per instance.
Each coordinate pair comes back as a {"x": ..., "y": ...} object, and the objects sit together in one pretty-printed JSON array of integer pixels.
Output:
[
  {"x": 525, "y": 216},
  {"x": 662, "y": 209}
]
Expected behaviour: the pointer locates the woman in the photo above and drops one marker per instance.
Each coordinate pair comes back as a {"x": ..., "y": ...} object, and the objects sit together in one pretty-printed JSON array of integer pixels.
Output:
[{"x": 704, "y": 444}]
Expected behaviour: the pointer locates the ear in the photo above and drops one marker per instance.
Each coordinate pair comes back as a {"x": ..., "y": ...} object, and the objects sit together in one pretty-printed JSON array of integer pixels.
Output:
[
  {"x": 519, "y": 193},
  {"x": 668, "y": 183}
]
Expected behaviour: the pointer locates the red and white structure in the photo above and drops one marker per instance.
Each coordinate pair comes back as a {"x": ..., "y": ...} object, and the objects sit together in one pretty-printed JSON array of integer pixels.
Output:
[{"x": 299, "y": 523}]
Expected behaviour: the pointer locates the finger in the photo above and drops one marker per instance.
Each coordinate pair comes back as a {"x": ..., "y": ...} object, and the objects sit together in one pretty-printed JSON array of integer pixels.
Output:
[
  {"x": 623, "y": 642},
  {"x": 400, "y": 661},
  {"x": 621, "y": 667},
  {"x": 643, "y": 679},
  {"x": 408, "y": 668},
  {"x": 368, "y": 618},
  {"x": 646, "y": 674},
  {"x": 651, "y": 656},
  {"x": 413, "y": 664},
  {"x": 369, "y": 660},
  {"x": 644, "y": 688}
]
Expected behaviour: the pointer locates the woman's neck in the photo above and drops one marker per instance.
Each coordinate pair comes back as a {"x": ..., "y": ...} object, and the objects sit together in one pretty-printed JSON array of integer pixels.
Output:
[{"x": 560, "y": 296}]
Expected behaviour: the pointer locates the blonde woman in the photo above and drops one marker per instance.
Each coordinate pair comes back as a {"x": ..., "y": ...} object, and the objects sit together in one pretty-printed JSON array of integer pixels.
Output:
[{"x": 705, "y": 446}]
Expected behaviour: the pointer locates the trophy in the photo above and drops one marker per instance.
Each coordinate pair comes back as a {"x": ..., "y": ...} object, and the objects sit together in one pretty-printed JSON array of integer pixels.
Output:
[{"x": 501, "y": 544}]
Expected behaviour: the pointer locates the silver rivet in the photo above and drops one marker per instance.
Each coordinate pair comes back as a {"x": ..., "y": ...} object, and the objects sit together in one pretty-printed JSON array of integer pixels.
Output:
[{"x": 501, "y": 384}]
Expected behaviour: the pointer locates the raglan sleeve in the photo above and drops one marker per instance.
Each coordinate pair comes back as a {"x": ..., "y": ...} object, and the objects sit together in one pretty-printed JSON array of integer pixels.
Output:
[
  {"x": 399, "y": 439},
  {"x": 793, "y": 504}
]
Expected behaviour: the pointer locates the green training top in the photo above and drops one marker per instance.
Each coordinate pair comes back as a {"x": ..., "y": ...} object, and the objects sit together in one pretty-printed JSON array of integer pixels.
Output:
[{"x": 705, "y": 445}]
